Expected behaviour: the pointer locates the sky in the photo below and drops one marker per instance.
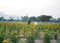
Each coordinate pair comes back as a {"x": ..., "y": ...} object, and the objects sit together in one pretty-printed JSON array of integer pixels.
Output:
[{"x": 30, "y": 7}]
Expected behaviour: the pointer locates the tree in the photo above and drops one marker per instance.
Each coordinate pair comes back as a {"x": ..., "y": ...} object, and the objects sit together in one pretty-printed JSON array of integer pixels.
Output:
[
  {"x": 11, "y": 19},
  {"x": 25, "y": 18},
  {"x": 2, "y": 18},
  {"x": 45, "y": 18},
  {"x": 58, "y": 19},
  {"x": 33, "y": 18}
]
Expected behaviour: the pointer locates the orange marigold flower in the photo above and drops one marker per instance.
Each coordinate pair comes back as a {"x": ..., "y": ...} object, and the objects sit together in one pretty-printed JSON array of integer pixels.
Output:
[{"x": 5, "y": 41}]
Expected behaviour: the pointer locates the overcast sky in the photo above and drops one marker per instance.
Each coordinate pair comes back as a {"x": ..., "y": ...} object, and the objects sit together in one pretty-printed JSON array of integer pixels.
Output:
[{"x": 30, "y": 7}]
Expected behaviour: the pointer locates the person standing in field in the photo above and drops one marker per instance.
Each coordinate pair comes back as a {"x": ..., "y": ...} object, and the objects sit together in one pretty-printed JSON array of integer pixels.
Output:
[{"x": 29, "y": 21}]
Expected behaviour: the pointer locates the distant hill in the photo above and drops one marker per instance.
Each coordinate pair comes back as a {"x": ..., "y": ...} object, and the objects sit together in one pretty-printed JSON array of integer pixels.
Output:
[{"x": 7, "y": 16}]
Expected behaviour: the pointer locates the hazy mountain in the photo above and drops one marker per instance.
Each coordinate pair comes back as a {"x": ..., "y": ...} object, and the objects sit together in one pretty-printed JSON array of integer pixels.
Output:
[{"x": 8, "y": 16}]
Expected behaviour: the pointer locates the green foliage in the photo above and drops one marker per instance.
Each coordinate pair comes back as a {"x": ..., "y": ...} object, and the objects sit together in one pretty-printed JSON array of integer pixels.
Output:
[
  {"x": 55, "y": 36},
  {"x": 45, "y": 18},
  {"x": 31, "y": 39},
  {"x": 15, "y": 31},
  {"x": 46, "y": 38},
  {"x": 1, "y": 39}
]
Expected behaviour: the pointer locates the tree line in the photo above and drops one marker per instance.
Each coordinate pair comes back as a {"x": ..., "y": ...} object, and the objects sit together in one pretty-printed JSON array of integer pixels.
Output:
[{"x": 42, "y": 18}]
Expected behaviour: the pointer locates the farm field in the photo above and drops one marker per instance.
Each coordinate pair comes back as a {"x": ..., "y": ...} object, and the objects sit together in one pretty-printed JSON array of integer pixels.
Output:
[{"x": 13, "y": 32}]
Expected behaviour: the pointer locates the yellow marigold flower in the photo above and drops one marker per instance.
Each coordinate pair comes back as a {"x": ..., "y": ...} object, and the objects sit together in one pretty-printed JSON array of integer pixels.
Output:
[
  {"x": 12, "y": 33},
  {"x": 46, "y": 30},
  {"x": 42, "y": 33},
  {"x": 22, "y": 36},
  {"x": 21, "y": 33},
  {"x": 23, "y": 29},
  {"x": 51, "y": 32},
  {"x": 5, "y": 41},
  {"x": 15, "y": 32},
  {"x": 3, "y": 33},
  {"x": 16, "y": 36}
]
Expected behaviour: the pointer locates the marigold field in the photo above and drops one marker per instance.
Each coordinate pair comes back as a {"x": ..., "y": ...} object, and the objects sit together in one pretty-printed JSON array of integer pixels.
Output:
[{"x": 12, "y": 32}]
